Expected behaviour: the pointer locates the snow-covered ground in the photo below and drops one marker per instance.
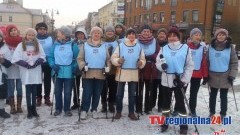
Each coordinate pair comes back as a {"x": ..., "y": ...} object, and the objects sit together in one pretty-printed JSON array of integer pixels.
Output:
[{"x": 51, "y": 125}]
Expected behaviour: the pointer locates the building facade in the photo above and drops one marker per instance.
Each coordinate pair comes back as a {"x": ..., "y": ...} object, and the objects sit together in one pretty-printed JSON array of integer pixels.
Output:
[
  {"x": 13, "y": 12},
  {"x": 186, "y": 14}
]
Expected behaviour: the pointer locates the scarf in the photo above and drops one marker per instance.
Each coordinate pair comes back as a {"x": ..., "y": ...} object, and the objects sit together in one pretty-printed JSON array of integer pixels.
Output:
[
  {"x": 13, "y": 41},
  {"x": 110, "y": 39},
  {"x": 40, "y": 36},
  {"x": 145, "y": 40}
]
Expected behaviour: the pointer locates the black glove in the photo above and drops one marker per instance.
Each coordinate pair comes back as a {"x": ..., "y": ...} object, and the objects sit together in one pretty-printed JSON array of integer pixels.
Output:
[
  {"x": 178, "y": 83},
  {"x": 150, "y": 59},
  {"x": 205, "y": 80},
  {"x": 231, "y": 79},
  {"x": 24, "y": 64},
  {"x": 56, "y": 68},
  {"x": 164, "y": 66},
  {"x": 76, "y": 71},
  {"x": 39, "y": 61}
]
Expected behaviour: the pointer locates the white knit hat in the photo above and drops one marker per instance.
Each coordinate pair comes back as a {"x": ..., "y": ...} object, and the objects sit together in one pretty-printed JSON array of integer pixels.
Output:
[
  {"x": 95, "y": 28},
  {"x": 195, "y": 31},
  {"x": 220, "y": 31},
  {"x": 30, "y": 30}
]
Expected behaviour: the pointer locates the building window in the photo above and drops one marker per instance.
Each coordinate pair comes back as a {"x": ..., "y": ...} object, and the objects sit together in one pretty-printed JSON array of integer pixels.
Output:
[
  {"x": 10, "y": 18},
  {"x": 142, "y": 4},
  {"x": 155, "y": 2},
  {"x": 146, "y": 18},
  {"x": 135, "y": 19},
  {"x": 0, "y": 18},
  {"x": 136, "y": 3},
  {"x": 155, "y": 17},
  {"x": 186, "y": 16},
  {"x": 173, "y": 2},
  {"x": 162, "y": 17},
  {"x": 195, "y": 15},
  {"x": 140, "y": 19},
  {"x": 218, "y": 18},
  {"x": 162, "y": 1},
  {"x": 173, "y": 17}
]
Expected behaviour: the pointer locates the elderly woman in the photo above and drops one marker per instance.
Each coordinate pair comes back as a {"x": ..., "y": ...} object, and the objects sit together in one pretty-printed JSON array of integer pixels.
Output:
[
  {"x": 223, "y": 68},
  {"x": 62, "y": 60},
  {"x": 129, "y": 58},
  {"x": 93, "y": 59}
]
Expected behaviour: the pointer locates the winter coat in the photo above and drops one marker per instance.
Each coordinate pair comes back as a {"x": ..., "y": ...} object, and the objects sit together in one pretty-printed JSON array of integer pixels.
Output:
[
  {"x": 167, "y": 79},
  {"x": 160, "y": 44},
  {"x": 64, "y": 71},
  {"x": 203, "y": 72},
  {"x": 220, "y": 80},
  {"x": 91, "y": 73},
  {"x": 127, "y": 75}
]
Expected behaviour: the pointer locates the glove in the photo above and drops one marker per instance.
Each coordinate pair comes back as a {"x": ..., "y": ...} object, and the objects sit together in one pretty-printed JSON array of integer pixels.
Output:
[
  {"x": 76, "y": 71},
  {"x": 150, "y": 59},
  {"x": 121, "y": 61},
  {"x": 85, "y": 68},
  {"x": 39, "y": 61},
  {"x": 56, "y": 68},
  {"x": 231, "y": 79},
  {"x": 106, "y": 69},
  {"x": 164, "y": 66},
  {"x": 205, "y": 80},
  {"x": 139, "y": 63},
  {"x": 177, "y": 82},
  {"x": 24, "y": 64}
]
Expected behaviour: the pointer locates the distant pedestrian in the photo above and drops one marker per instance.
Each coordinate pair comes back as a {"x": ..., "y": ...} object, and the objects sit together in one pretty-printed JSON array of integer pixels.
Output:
[{"x": 29, "y": 55}]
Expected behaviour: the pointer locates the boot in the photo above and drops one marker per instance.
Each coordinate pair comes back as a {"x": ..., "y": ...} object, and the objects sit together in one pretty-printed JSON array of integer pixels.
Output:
[
  {"x": 29, "y": 109},
  {"x": 4, "y": 114},
  {"x": 118, "y": 115},
  {"x": 12, "y": 105},
  {"x": 39, "y": 101},
  {"x": 183, "y": 129},
  {"x": 164, "y": 128},
  {"x": 7, "y": 102},
  {"x": 104, "y": 107},
  {"x": 34, "y": 111},
  {"x": 132, "y": 116},
  {"x": 111, "y": 107},
  {"x": 47, "y": 101},
  {"x": 19, "y": 103}
]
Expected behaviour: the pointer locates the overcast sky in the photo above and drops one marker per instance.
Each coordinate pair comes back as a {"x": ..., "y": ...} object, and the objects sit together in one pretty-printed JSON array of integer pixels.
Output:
[{"x": 70, "y": 10}]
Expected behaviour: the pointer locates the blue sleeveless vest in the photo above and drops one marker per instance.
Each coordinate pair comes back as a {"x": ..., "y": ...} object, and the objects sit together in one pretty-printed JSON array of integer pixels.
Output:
[
  {"x": 113, "y": 44},
  {"x": 95, "y": 56},
  {"x": 63, "y": 54},
  {"x": 175, "y": 58},
  {"x": 219, "y": 60},
  {"x": 46, "y": 45},
  {"x": 197, "y": 55},
  {"x": 131, "y": 55},
  {"x": 149, "y": 49}
]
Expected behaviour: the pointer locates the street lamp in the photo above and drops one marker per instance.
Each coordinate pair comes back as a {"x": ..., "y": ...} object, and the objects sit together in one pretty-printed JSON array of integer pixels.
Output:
[{"x": 53, "y": 11}]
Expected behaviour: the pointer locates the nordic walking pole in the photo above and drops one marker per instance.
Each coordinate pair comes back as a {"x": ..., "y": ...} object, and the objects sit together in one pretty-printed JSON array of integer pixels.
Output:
[
  {"x": 234, "y": 98},
  {"x": 118, "y": 85},
  {"x": 54, "y": 90},
  {"x": 186, "y": 101},
  {"x": 106, "y": 84},
  {"x": 78, "y": 95}
]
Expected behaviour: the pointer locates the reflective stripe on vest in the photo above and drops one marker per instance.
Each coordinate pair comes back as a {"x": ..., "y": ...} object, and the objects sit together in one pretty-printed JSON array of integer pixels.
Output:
[
  {"x": 219, "y": 60},
  {"x": 175, "y": 58},
  {"x": 95, "y": 56},
  {"x": 130, "y": 54},
  {"x": 63, "y": 54},
  {"x": 197, "y": 55}
]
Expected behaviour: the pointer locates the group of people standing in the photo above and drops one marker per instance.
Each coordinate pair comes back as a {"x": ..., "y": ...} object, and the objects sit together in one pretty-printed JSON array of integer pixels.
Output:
[{"x": 109, "y": 59}]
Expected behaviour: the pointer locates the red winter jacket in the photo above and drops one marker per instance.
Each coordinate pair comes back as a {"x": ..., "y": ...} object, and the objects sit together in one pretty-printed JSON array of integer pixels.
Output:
[{"x": 203, "y": 72}]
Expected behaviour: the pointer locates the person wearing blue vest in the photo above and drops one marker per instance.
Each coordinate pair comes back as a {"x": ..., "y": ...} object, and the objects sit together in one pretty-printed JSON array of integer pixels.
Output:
[
  {"x": 129, "y": 57},
  {"x": 93, "y": 60},
  {"x": 223, "y": 68},
  {"x": 46, "y": 41},
  {"x": 120, "y": 32},
  {"x": 62, "y": 60},
  {"x": 198, "y": 51},
  {"x": 148, "y": 74},
  {"x": 109, "y": 92},
  {"x": 175, "y": 62},
  {"x": 80, "y": 38}
]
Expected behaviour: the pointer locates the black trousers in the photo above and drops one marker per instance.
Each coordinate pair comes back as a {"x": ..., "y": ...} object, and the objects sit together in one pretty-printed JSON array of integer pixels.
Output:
[
  {"x": 167, "y": 99},
  {"x": 46, "y": 69},
  {"x": 223, "y": 97},
  {"x": 109, "y": 90},
  {"x": 76, "y": 89},
  {"x": 157, "y": 88},
  {"x": 194, "y": 87}
]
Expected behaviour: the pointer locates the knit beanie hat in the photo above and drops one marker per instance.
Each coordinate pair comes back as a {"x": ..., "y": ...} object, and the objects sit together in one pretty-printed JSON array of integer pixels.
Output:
[
  {"x": 162, "y": 30},
  {"x": 129, "y": 31},
  {"x": 109, "y": 28},
  {"x": 96, "y": 28},
  {"x": 173, "y": 29},
  {"x": 30, "y": 30},
  {"x": 65, "y": 31},
  {"x": 146, "y": 27},
  {"x": 119, "y": 25},
  {"x": 223, "y": 31},
  {"x": 195, "y": 31},
  {"x": 9, "y": 28},
  {"x": 41, "y": 24}
]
